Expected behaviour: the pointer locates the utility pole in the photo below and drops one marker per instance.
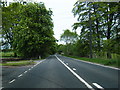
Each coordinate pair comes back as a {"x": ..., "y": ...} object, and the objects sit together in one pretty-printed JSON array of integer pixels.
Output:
[{"x": 90, "y": 27}]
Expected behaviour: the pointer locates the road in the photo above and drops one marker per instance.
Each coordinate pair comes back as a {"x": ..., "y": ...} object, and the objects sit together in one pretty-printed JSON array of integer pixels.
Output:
[{"x": 58, "y": 71}]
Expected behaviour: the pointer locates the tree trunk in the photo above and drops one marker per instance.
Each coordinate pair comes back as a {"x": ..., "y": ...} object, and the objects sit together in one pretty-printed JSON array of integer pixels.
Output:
[
  {"x": 109, "y": 55},
  {"x": 109, "y": 19},
  {"x": 15, "y": 54}
]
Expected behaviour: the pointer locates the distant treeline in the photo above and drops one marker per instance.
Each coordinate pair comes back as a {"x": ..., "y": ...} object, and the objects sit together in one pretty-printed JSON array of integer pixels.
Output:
[{"x": 99, "y": 25}]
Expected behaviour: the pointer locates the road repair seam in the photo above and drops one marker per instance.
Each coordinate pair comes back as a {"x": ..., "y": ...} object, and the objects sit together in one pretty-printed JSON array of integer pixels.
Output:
[
  {"x": 75, "y": 74},
  {"x": 98, "y": 86}
]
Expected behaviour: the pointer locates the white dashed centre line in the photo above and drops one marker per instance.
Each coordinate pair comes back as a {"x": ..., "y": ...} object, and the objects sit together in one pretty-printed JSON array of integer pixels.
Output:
[
  {"x": 20, "y": 75},
  {"x": 32, "y": 67},
  {"x": 12, "y": 81},
  {"x": 74, "y": 69},
  {"x": 25, "y": 71},
  {"x": 98, "y": 86},
  {"x": 1, "y": 88},
  {"x": 75, "y": 74}
]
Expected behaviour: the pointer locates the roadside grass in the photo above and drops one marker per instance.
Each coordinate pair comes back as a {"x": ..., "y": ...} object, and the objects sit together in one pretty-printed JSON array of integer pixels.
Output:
[
  {"x": 10, "y": 55},
  {"x": 18, "y": 63},
  {"x": 7, "y": 54},
  {"x": 108, "y": 62}
]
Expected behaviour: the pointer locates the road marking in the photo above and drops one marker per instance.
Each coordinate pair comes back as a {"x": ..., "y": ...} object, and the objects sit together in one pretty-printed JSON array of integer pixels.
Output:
[
  {"x": 66, "y": 63},
  {"x": 1, "y": 88},
  {"x": 12, "y": 81},
  {"x": 75, "y": 74},
  {"x": 39, "y": 62},
  {"x": 32, "y": 67},
  {"x": 20, "y": 75},
  {"x": 25, "y": 71},
  {"x": 98, "y": 86},
  {"x": 74, "y": 69},
  {"x": 96, "y": 64}
]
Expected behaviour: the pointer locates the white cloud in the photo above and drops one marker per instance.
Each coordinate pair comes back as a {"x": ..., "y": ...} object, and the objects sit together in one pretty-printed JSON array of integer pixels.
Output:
[{"x": 63, "y": 17}]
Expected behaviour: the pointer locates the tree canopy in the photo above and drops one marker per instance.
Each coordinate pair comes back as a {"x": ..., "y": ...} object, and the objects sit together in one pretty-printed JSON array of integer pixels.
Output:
[
  {"x": 105, "y": 22},
  {"x": 69, "y": 37},
  {"x": 99, "y": 20},
  {"x": 28, "y": 28}
]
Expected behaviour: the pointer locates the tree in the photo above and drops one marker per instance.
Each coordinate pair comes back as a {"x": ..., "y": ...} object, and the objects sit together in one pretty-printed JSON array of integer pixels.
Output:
[
  {"x": 81, "y": 48},
  {"x": 111, "y": 21},
  {"x": 105, "y": 22},
  {"x": 31, "y": 29},
  {"x": 69, "y": 38},
  {"x": 10, "y": 18}
]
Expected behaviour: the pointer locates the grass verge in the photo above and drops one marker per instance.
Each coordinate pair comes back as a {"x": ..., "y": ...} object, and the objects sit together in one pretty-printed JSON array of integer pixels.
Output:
[
  {"x": 108, "y": 62},
  {"x": 18, "y": 63},
  {"x": 7, "y": 54}
]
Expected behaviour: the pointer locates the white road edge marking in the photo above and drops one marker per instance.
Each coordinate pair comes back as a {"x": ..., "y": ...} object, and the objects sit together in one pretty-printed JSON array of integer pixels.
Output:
[
  {"x": 12, "y": 81},
  {"x": 34, "y": 65},
  {"x": 20, "y": 75},
  {"x": 75, "y": 74},
  {"x": 39, "y": 62},
  {"x": 97, "y": 64},
  {"x": 98, "y": 86}
]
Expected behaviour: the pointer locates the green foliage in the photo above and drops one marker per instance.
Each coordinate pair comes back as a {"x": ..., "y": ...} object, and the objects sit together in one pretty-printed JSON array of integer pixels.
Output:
[
  {"x": 9, "y": 21},
  {"x": 69, "y": 37},
  {"x": 105, "y": 23},
  {"x": 82, "y": 48},
  {"x": 20, "y": 63},
  {"x": 7, "y": 54},
  {"x": 29, "y": 29},
  {"x": 108, "y": 62}
]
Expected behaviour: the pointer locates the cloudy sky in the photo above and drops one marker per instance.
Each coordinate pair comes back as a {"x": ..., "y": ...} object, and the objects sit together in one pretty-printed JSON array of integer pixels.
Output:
[
  {"x": 62, "y": 14},
  {"x": 63, "y": 17}
]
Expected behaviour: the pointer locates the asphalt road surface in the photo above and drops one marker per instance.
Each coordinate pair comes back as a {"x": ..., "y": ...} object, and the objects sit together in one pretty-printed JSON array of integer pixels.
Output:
[{"x": 58, "y": 71}]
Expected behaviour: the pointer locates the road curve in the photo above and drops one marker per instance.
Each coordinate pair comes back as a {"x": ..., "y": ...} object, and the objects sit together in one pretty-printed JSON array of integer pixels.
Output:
[{"x": 62, "y": 72}]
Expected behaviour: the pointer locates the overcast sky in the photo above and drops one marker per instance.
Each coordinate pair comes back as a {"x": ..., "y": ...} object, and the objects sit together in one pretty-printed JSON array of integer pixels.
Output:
[{"x": 63, "y": 17}]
